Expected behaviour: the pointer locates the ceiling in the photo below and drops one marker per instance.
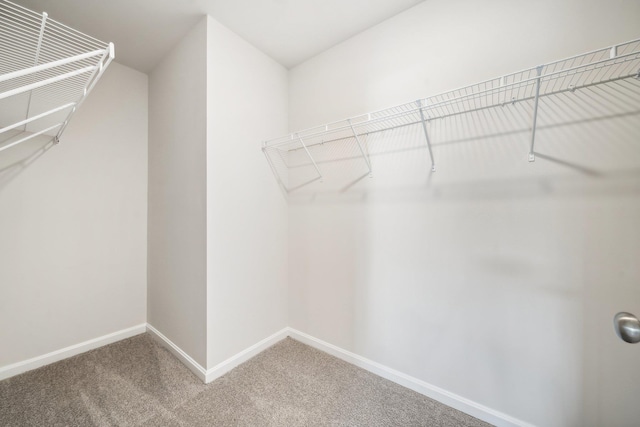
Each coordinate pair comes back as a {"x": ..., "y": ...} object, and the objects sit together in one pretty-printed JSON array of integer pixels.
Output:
[{"x": 290, "y": 31}]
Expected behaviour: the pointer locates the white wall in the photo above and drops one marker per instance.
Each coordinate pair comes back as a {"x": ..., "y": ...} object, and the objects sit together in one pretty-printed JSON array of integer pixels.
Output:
[
  {"x": 73, "y": 225},
  {"x": 246, "y": 213},
  {"x": 493, "y": 278},
  {"x": 436, "y": 46},
  {"x": 177, "y": 195}
]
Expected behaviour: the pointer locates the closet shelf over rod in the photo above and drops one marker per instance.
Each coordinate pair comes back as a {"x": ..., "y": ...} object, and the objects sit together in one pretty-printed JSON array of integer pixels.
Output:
[
  {"x": 524, "y": 90},
  {"x": 46, "y": 72}
]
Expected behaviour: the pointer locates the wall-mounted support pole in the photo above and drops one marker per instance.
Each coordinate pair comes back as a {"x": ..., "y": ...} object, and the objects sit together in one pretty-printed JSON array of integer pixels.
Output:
[
  {"x": 310, "y": 158},
  {"x": 426, "y": 135},
  {"x": 532, "y": 156},
  {"x": 366, "y": 159}
]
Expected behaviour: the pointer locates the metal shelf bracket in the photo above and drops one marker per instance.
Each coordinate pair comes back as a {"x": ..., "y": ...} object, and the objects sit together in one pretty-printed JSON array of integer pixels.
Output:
[
  {"x": 426, "y": 134},
  {"x": 311, "y": 158},
  {"x": 364, "y": 156},
  {"x": 532, "y": 156}
]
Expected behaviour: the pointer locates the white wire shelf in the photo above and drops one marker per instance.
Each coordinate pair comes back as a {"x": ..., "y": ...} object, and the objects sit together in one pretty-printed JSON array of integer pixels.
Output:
[
  {"x": 46, "y": 72},
  {"x": 601, "y": 83}
]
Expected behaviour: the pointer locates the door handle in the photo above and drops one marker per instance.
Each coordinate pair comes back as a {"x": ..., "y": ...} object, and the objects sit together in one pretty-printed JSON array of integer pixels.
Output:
[{"x": 627, "y": 327}]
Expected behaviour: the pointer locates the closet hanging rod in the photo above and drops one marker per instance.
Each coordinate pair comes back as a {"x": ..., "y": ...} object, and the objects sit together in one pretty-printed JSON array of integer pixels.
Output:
[
  {"x": 39, "y": 116},
  {"x": 48, "y": 65},
  {"x": 28, "y": 137},
  {"x": 48, "y": 81}
]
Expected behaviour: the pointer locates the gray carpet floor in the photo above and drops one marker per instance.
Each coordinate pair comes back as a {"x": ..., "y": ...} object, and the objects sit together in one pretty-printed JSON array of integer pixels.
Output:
[{"x": 137, "y": 382}]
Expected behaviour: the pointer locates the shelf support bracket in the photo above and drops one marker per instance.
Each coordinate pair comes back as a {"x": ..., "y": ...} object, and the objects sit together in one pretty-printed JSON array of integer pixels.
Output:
[
  {"x": 273, "y": 168},
  {"x": 532, "y": 156},
  {"x": 105, "y": 60},
  {"x": 426, "y": 135},
  {"x": 364, "y": 156},
  {"x": 310, "y": 158}
]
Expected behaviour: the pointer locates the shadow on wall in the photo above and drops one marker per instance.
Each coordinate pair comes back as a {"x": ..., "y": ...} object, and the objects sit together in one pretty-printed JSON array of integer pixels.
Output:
[
  {"x": 15, "y": 160},
  {"x": 601, "y": 156},
  {"x": 585, "y": 143}
]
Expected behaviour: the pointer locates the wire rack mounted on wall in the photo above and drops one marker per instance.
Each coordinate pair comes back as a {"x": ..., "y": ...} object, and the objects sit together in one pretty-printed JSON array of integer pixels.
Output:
[
  {"x": 46, "y": 72},
  {"x": 582, "y": 87}
]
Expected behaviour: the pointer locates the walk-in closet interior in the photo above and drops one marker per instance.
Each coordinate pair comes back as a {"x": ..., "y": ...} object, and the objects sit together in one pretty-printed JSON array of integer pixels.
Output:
[{"x": 338, "y": 212}]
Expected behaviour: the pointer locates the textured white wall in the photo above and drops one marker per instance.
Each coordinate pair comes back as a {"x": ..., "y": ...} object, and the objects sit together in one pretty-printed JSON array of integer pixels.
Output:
[
  {"x": 73, "y": 225},
  {"x": 177, "y": 195},
  {"x": 494, "y": 278},
  {"x": 246, "y": 213}
]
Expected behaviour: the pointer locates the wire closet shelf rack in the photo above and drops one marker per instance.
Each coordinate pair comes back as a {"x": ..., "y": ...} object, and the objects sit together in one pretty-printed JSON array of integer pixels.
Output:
[
  {"x": 47, "y": 69},
  {"x": 518, "y": 97}
]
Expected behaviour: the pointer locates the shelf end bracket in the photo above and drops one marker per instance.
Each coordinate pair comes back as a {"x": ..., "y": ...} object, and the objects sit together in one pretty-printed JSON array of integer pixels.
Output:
[
  {"x": 532, "y": 156},
  {"x": 426, "y": 135},
  {"x": 364, "y": 156}
]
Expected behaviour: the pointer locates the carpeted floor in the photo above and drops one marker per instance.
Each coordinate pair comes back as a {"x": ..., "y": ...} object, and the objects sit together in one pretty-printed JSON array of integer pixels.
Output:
[{"x": 136, "y": 382}]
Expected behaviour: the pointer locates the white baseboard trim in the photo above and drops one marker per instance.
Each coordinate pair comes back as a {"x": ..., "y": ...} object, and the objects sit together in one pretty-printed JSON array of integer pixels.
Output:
[
  {"x": 436, "y": 393},
  {"x": 187, "y": 360},
  {"x": 64, "y": 353},
  {"x": 208, "y": 375},
  {"x": 222, "y": 368}
]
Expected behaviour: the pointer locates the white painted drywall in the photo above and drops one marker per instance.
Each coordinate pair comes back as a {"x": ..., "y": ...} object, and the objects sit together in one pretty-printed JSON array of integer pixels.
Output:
[
  {"x": 73, "y": 225},
  {"x": 177, "y": 195},
  {"x": 246, "y": 212},
  {"x": 436, "y": 46},
  {"x": 494, "y": 279}
]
